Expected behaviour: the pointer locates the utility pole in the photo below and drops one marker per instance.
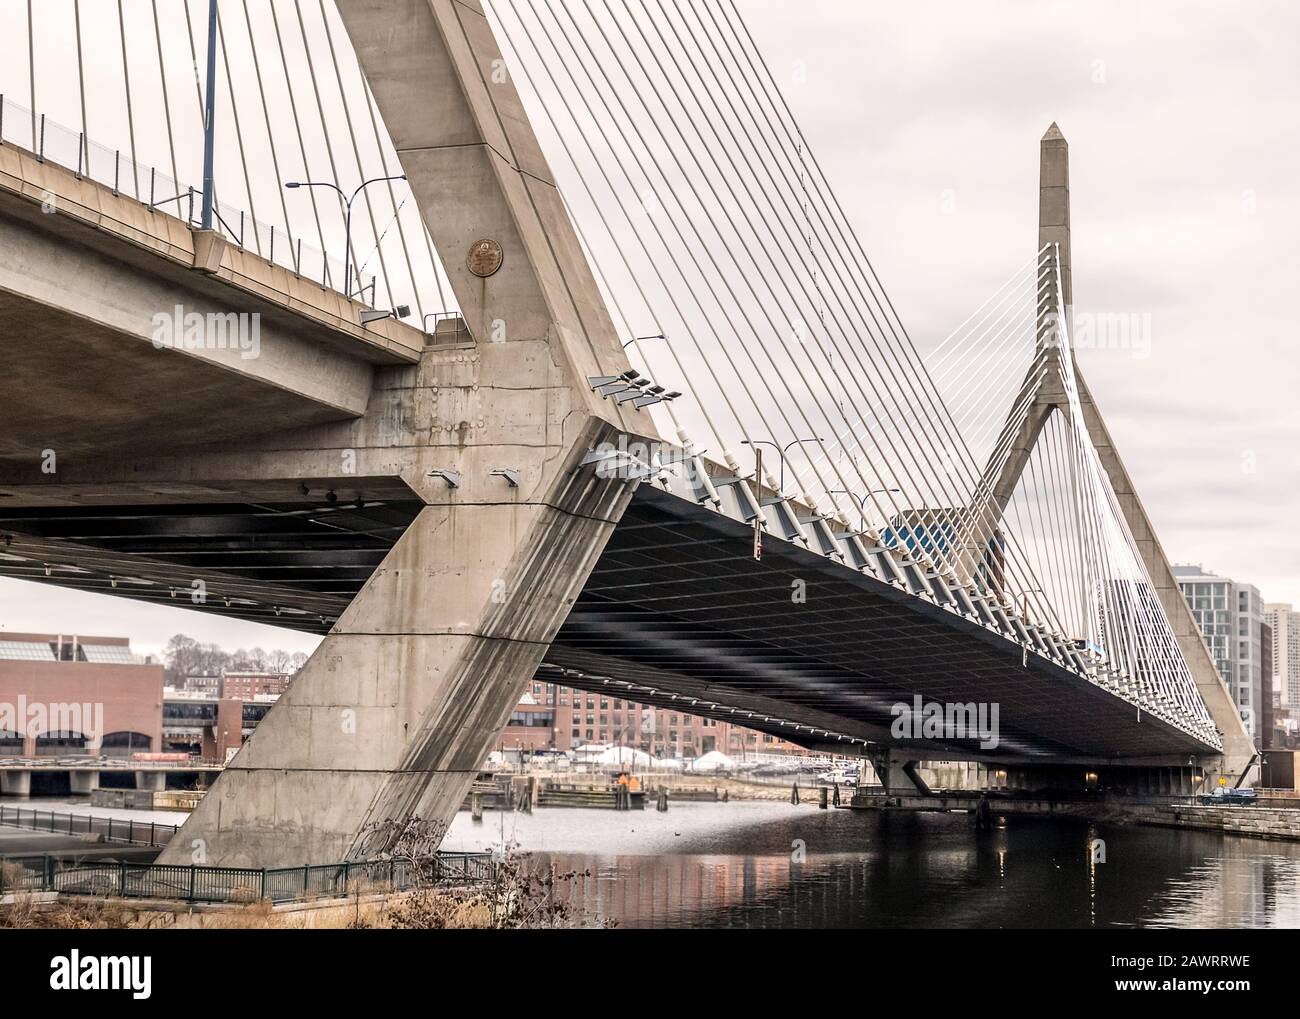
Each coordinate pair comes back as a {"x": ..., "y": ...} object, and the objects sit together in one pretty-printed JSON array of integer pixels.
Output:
[{"x": 209, "y": 116}]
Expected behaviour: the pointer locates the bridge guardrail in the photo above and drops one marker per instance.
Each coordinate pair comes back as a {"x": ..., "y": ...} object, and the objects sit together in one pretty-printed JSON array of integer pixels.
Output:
[
  {"x": 47, "y": 139},
  {"x": 198, "y": 884},
  {"x": 113, "y": 829}
]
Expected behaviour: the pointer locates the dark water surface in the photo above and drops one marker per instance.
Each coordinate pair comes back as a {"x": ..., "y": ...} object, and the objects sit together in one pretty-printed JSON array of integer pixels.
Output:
[{"x": 777, "y": 865}]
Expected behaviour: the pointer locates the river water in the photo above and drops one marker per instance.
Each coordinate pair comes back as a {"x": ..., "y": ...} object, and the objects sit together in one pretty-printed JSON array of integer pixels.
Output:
[
  {"x": 777, "y": 865},
  {"x": 746, "y": 864}
]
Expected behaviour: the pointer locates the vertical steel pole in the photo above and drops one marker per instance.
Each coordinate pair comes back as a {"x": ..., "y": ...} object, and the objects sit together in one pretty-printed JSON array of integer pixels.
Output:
[
  {"x": 347, "y": 251},
  {"x": 210, "y": 115}
]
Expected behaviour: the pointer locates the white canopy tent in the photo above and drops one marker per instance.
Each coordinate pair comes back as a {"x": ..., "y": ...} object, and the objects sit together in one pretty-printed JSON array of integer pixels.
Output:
[{"x": 714, "y": 760}]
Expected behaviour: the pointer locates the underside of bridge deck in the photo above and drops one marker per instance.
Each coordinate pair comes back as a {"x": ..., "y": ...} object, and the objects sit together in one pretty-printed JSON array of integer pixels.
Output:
[
  {"x": 679, "y": 611},
  {"x": 291, "y": 564}
]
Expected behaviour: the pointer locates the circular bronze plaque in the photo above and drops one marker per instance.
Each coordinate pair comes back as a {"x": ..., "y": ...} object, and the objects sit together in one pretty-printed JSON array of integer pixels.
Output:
[{"x": 484, "y": 257}]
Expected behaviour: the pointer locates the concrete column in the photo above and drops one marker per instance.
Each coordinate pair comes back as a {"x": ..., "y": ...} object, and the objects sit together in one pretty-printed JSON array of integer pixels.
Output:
[
  {"x": 15, "y": 783},
  {"x": 1054, "y": 203},
  {"x": 393, "y": 715},
  {"x": 155, "y": 781},
  {"x": 84, "y": 782},
  {"x": 898, "y": 774}
]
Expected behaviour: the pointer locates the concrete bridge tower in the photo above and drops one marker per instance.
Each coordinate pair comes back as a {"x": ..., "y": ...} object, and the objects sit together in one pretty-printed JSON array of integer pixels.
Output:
[
  {"x": 1045, "y": 391},
  {"x": 395, "y": 712}
]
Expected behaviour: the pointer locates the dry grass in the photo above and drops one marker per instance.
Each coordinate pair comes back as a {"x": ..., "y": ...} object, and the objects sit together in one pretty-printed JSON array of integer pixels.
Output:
[
  {"x": 518, "y": 896},
  {"x": 11, "y": 873},
  {"x": 28, "y": 912}
]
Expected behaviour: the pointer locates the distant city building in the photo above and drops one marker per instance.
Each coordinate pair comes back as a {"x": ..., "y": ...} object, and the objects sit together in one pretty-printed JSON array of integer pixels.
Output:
[
  {"x": 1284, "y": 622},
  {"x": 937, "y": 532},
  {"x": 77, "y": 695},
  {"x": 552, "y": 717},
  {"x": 1269, "y": 702},
  {"x": 207, "y": 725},
  {"x": 209, "y": 685},
  {"x": 247, "y": 686},
  {"x": 1231, "y": 618}
]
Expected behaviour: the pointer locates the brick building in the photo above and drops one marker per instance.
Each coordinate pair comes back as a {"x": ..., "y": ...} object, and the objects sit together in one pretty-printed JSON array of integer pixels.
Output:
[
  {"x": 66, "y": 695},
  {"x": 555, "y": 717},
  {"x": 247, "y": 686}
]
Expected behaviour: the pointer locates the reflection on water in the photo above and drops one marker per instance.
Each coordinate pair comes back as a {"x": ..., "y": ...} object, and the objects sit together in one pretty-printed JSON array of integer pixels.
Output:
[{"x": 775, "y": 865}]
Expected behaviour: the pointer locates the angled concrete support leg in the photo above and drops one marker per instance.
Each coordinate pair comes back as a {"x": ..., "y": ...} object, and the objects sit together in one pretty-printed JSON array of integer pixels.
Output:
[
  {"x": 395, "y": 712},
  {"x": 392, "y": 717},
  {"x": 898, "y": 774},
  {"x": 16, "y": 784}
]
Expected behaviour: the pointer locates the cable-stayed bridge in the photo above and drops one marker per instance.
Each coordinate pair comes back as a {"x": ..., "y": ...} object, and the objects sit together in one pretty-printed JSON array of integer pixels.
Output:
[{"x": 558, "y": 356}]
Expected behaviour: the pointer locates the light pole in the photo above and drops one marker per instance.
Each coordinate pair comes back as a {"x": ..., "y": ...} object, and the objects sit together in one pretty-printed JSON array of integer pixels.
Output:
[
  {"x": 1024, "y": 601},
  {"x": 780, "y": 451},
  {"x": 861, "y": 500},
  {"x": 209, "y": 117},
  {"x": 347, "y": 219},
  {"x": 637, "y": 339}
]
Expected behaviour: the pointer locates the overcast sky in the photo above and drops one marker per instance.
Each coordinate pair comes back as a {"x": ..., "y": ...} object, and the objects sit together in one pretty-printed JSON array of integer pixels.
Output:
[
  {"x": 1185, "y": 176},
  {"x": 1184, "y": 129}
]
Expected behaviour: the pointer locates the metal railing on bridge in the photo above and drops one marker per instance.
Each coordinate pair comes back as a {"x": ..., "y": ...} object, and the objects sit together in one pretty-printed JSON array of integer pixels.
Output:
[
  {"x": 196, "y": 884},
  {"x": 111, "y": 829},
  {"x": 48, "y": 140}
]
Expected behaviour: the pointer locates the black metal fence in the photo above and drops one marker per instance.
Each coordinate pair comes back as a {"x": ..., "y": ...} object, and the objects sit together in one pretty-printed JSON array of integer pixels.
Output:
[
  {"x": 46, "y": 873},
  {"x": 239, "y": 884},
  {"x": 136, "y": 833}
]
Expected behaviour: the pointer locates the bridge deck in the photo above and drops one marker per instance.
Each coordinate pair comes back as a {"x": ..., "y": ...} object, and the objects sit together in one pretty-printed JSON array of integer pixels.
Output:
[{"x": 678, "y": 604}]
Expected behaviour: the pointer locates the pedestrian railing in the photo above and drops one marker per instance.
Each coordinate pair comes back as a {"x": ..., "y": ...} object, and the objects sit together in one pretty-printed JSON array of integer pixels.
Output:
[
  {"x": 112, "y": 829},
  {"x": 240, "y": 884}
]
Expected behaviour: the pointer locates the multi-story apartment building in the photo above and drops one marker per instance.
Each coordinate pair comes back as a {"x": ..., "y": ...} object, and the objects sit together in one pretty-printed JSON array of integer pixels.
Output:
[
  {"x": 1284, "y": 621},
  {"x": 248, "y": 686},
  {"x": 1231, "y": 618},
  {"x": 556, "y": 717}
]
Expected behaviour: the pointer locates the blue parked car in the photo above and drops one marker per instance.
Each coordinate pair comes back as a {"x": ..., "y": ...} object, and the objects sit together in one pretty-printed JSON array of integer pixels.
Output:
[{"x": 1226, "y": 796}]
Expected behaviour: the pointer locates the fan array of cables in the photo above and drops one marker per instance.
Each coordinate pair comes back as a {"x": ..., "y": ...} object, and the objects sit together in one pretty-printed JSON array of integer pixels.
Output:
[
  {"x": 709, "y": 221},
  {"x": 724, "y": 256},
  {"x": 735, "y": 276},
  {"x": 1008, "y": 377},
  {"x": 114, "y": 90}
]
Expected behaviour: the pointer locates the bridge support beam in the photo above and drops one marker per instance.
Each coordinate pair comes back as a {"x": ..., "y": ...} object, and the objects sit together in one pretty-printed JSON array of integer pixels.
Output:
[
  {"x": 15, "y": 783},
  {"x": 381, "y": 734},
  {"x": 898, "y": 774},
  {"x": 387, "y": 725}
]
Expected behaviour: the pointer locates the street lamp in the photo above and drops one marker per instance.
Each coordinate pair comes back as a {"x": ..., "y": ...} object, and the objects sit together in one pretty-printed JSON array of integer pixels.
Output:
[
  {"x": 347, "y": 220},
  {"x": 780, "y": 451},
  {"x": 637, "y": 339},
  {"x": 861, "y": 500}
]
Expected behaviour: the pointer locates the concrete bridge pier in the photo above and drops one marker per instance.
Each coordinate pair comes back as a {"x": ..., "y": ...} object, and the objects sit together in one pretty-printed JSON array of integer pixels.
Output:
[
  {"x": 898, "y": 773},
  {"x": 85, "y": 782},
  {"x": 383, "y": 731},
  {"x": 16, "y": 784},
  {"x": 154, "y": 781}
]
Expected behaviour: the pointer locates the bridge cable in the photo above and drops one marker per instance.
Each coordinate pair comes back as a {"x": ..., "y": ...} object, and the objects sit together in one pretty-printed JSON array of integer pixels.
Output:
[
  {"x": 130, "y": 113},
  {"x": 167, "y": 107},
  {"x": 302, "y": 145},
  {"x": 270, "y": 137},
  {"x": 688, "y": 378}
]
